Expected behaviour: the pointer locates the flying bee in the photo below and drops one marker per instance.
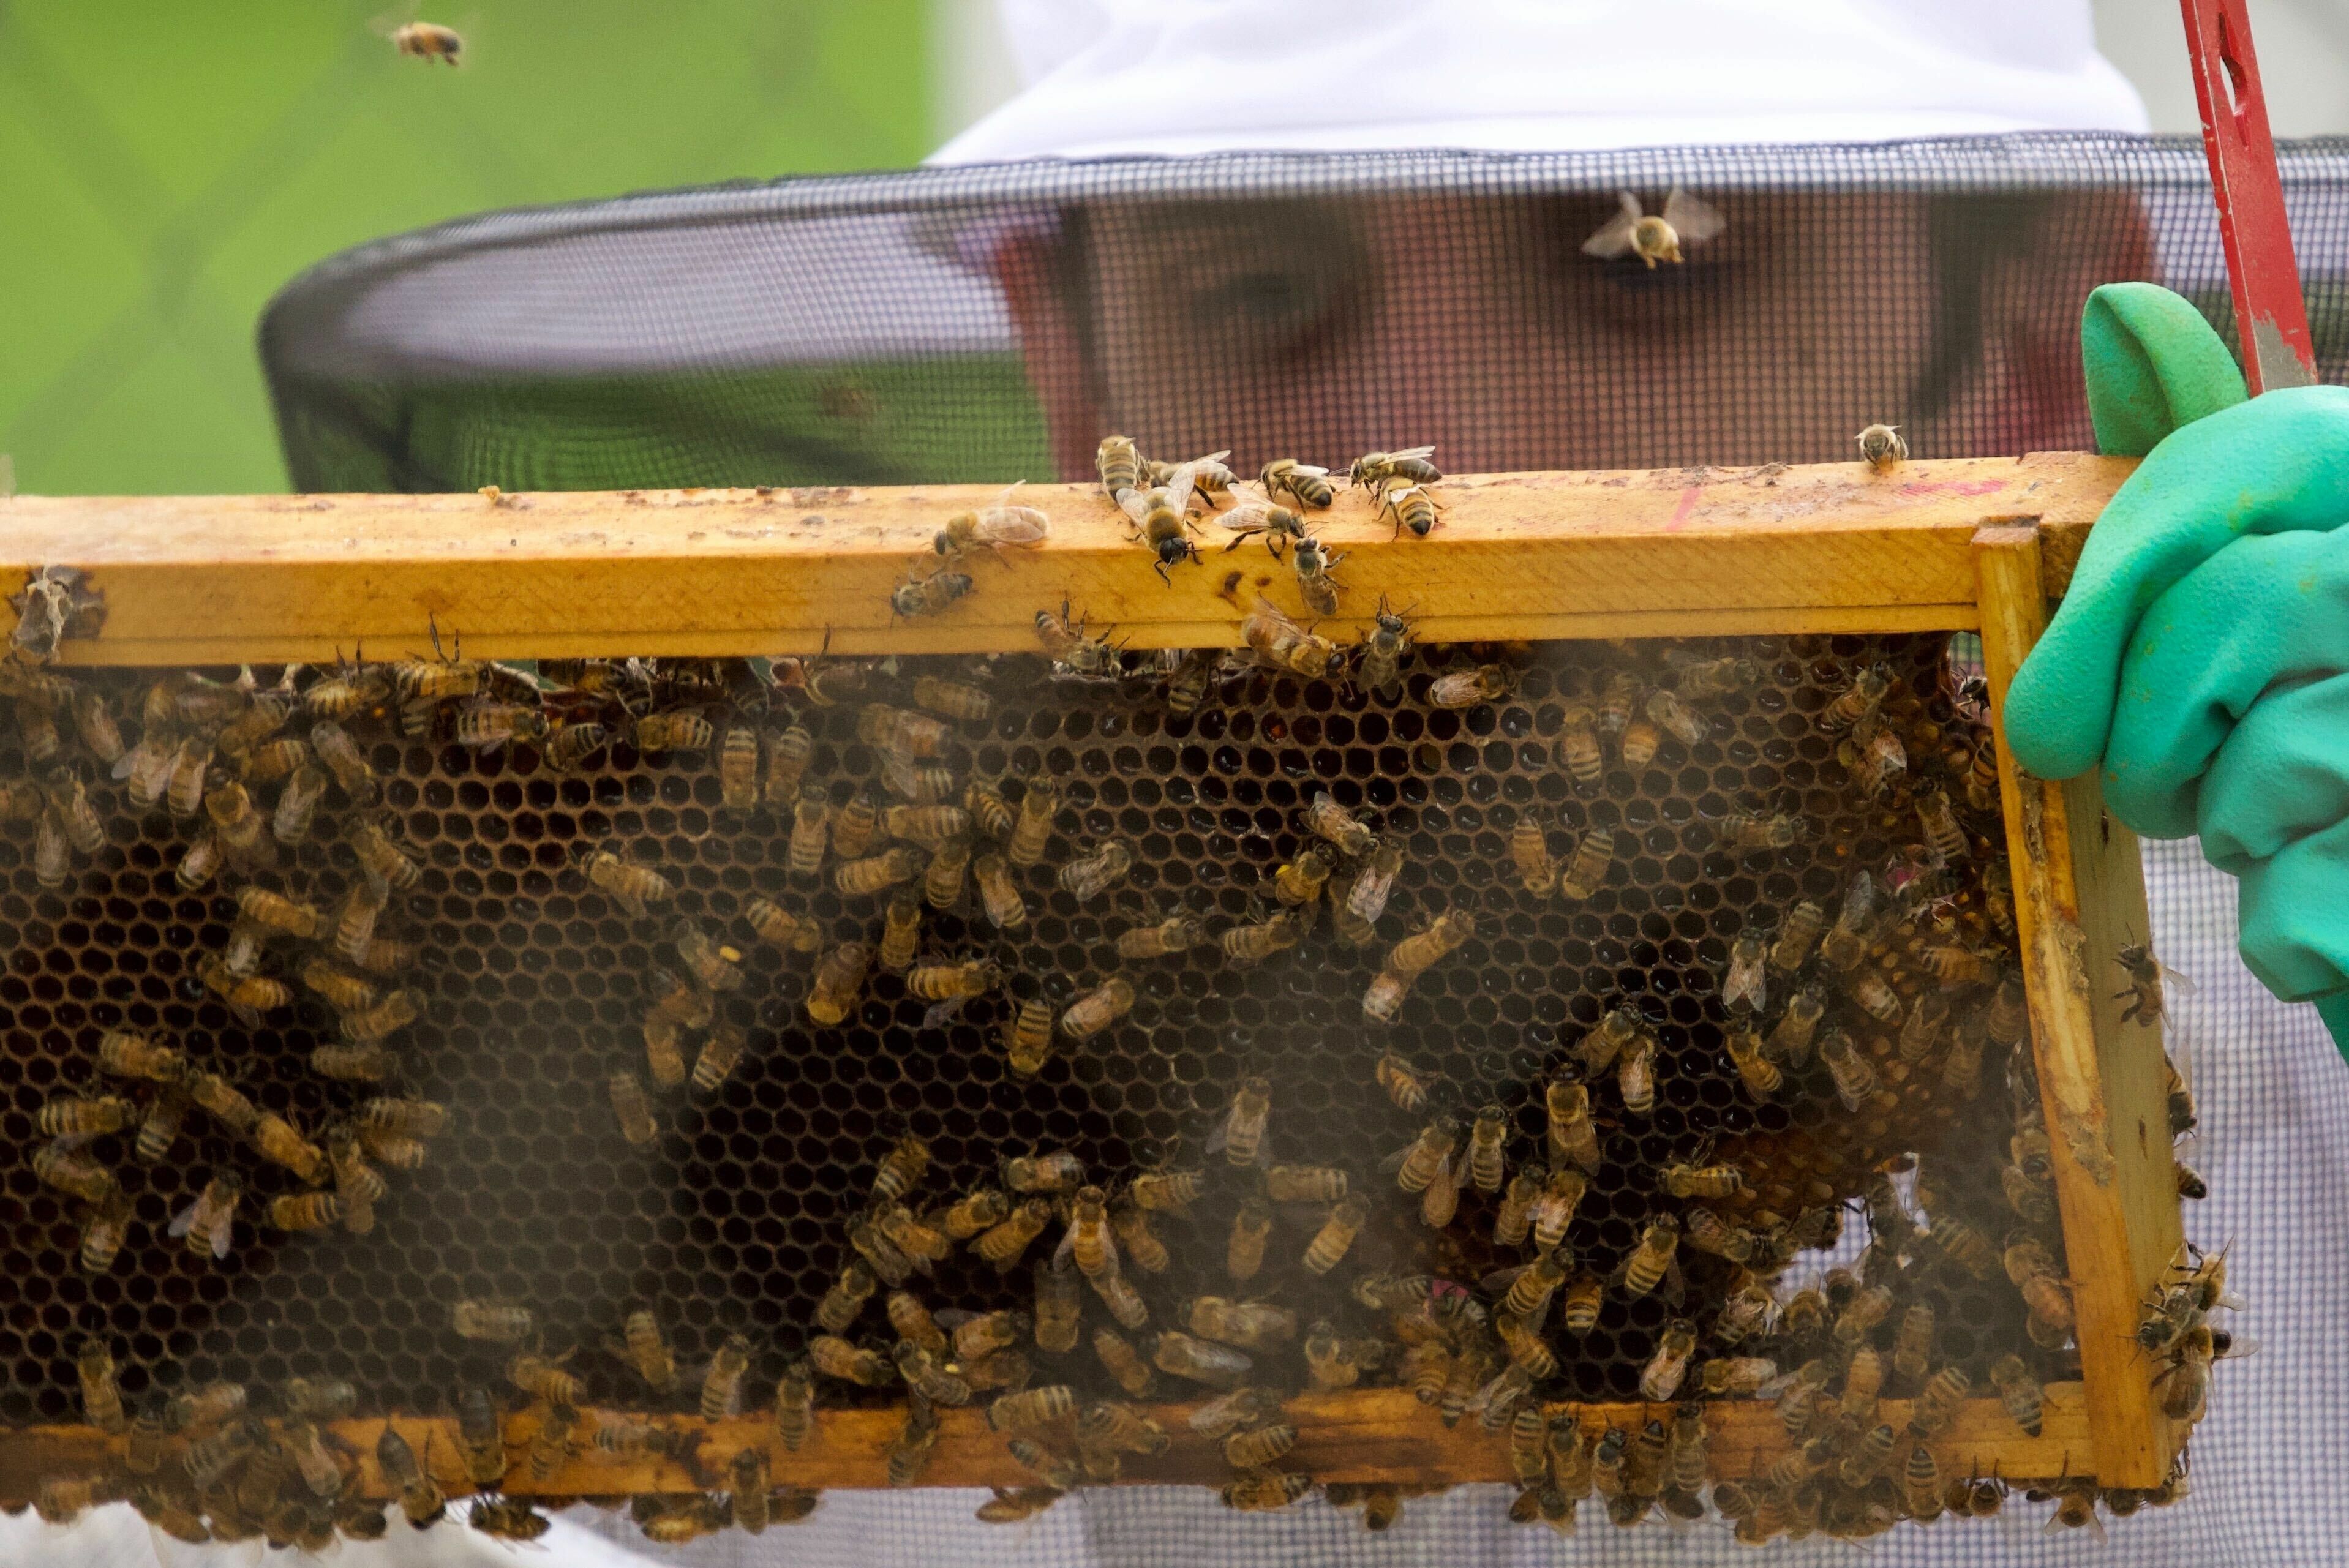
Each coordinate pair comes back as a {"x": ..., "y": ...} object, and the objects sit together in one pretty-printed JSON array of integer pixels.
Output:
[
  {"x": 1096, "y": 874},
  {"x": 1283, "y": 645},
  {"x": 1656, "y": 237},
  {"x": 993, "y": 527},
  {"x": 1306, "y": 485},
  {"x": 929, "y": 595},
  {"x": 1648, "y": 1264},
  {"x": 1881, "y": 447},
  {"x": 1160, "y": 519}
]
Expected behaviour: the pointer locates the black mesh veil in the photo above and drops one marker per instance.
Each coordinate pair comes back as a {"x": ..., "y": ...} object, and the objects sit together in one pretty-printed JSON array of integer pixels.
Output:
[{"x": 992, "y": 322}]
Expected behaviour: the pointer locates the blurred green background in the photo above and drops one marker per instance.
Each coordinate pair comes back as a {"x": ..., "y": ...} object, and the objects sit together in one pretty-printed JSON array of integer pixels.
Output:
[{"x": 165, "y": 168}]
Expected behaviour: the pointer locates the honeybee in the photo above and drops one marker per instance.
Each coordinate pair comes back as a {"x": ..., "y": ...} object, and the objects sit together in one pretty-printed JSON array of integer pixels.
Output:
[
  {"x": 1881, "y": 447},
  {"x": 1859, "y": 700},
  {"x": 1070, "y": 650},
  {"x": 1096, "y": 874},
  {"x": 1313, "y": 562},
  {"x": 1873, "y": 756},
  {"x": 1856, "y": 1080},
  {"x": 1262, "y": 1490},
  {"x": 1241, "y": 1135},
  {"x": 1417, "y": 1165},
  {"x": 1754, "y": 1069},
  {"x": 2144, "y": 992},
  {"x": 1339, "y": 1229},
  {"x": 1467, "y": 688},
  {"x": 126, "y": 1054},
  {"x": 1790, "y": 1040},
  {"x": 1562, "y": 1192},
  {"x": 1939, "y": 821},
  {"x": 1031, "y": 830},
  {"x": 1408, "y": 506},
  {"x": 1586, "y": 869},
  {"x": 1097, "y": 1009},
  {"x": 1635, "y": 1075},
  {"x": 1140, "y": 1245},
  {"x": 332, "y": 746},
  {"x": 1283, "y": 645},
  {"x": 1028, "y": 1038},
  {"x": 1244, "y": 1249},
  {"x": 1684, "y": 1180},
  {"x": 1746, "y": 987},
  {"x": 1938, "y": 1402},
  {"x": 1306, "y": 485},
  {"x": 1200, "y": 1361},
  {"x": 632, "y": 1109},
  {"x": 1654, "y": 237},
  {"x": 1648, "y": 1264},
  {"x": 994, "y": 527},
  {"x": 839, "y": 977},
  {"x": 1578, "y": 747},
  {"x": 1379, "y": 666},
  {"x": 634, "y": 888},
  {"x": 1667, "y": 1368},
  {"x": 1160, "y": 518},
  {"x": 209, "y": 1223},
  {"x": 1249, "y": 1325},
  {"x": 1003, "y": 1244}
]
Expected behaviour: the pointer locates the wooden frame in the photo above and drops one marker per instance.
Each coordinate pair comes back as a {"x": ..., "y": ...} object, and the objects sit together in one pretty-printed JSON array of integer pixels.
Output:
[{"x": 1967, "y": 545}]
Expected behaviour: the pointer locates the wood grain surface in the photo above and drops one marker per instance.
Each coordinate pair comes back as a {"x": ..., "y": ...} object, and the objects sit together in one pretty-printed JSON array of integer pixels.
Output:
[{"x": 1679, "y": 552}]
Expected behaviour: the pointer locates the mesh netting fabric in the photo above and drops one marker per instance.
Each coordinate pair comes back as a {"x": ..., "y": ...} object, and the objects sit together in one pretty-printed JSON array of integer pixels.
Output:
[{"x": 992, "y": 322}]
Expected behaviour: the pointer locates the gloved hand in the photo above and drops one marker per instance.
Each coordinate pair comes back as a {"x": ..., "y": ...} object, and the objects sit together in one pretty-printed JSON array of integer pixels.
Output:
[{"x": 2199, "y": 654}]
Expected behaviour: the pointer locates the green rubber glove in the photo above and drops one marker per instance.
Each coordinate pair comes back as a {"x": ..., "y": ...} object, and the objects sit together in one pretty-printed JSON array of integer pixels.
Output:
[{"x": 2198, "y": 655}]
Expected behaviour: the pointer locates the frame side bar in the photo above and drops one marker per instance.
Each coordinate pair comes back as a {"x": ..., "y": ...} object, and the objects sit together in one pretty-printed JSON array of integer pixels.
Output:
[{"x": 2114, "y": 1181}]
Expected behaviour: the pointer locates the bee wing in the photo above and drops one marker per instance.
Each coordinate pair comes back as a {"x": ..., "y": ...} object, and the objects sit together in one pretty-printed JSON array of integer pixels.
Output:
[
  {"x": 184, "y": 1221},
  {"x": 1412, "y": 452},
  {"x": 1691, "y": 218},
  {"x": 2184, "y": 983},
  {"x": 1020, "y": 525},
  {"x": 1246, "y": 515},
  {"x": 1500, "y": 1280},
  {"x": 953, "y": 1317},
  {"x": 1183, "y": 484},
  {"x": 1393, "y": 1163},
  {"x": 2239, "y": 1348},
  {"x": 943, "y": 1012},
  {"x": 1134, "y": 503},
  {"x": 1614, "y": 236},
  {"x": 2055, "y": 1525},
  {"x": 225, "y": 1235},
  {"x": 1309, "y": 469}
]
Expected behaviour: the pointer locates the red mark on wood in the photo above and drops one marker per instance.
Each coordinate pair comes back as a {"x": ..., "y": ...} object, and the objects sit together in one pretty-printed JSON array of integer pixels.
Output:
[{"x": 1688, "y": 505}]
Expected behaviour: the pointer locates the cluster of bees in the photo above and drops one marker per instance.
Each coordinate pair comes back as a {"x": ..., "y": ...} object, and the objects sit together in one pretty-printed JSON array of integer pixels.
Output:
[
  {"x": 210, "y": 753},
  {"x": 1467, "y": 1270}
]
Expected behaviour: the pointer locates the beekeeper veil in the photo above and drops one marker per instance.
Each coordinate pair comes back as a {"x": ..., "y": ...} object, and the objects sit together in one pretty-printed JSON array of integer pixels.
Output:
[{"x": 1305, "y": 227}]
